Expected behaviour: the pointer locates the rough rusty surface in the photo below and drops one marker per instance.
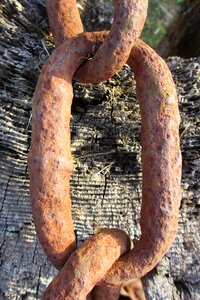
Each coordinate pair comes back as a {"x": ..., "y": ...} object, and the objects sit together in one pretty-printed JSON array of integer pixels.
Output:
[
  {"x": 161, "y": 165},
  {"x": 84, "y": 268},
  {"x": 50, "y": 157},
  {"x": 50, "y": 160},
  {"x": 128, "y": 23},
  {"x": 64, "y": 19},
  {"x": 106, "y": 181}
]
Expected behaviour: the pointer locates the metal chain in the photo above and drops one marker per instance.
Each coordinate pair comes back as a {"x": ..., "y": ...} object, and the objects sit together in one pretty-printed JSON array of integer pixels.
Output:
[
  {"x": 100, "y": 260},
  {"x": 128, "y": 23}
]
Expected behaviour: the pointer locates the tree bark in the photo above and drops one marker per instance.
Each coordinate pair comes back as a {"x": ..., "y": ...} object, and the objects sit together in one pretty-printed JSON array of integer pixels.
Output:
[
  {"x": 106, "y": 183},
  {"x": 183, "y": 35}
]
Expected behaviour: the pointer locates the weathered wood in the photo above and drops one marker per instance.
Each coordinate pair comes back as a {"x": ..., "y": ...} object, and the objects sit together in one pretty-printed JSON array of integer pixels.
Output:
[{"x": 106, "y": 184}]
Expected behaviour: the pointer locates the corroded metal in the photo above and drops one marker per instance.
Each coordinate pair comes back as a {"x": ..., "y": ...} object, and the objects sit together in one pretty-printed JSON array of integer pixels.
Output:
[{"x": 50, "y": 166}]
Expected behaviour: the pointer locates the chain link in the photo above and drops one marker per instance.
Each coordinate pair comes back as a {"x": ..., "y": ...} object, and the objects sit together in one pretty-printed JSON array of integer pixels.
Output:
[
  {"x": 99, "y": 261},
  {"x": 129, "y": 18}
]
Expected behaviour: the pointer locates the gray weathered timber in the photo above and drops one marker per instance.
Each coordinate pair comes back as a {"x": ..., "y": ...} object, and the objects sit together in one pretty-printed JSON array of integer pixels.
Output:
[{"x": 106, "y": 183}]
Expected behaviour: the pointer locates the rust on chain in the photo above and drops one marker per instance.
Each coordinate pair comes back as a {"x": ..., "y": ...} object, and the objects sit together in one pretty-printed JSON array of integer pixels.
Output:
[
  {"x": 98, "y": 261},
  {"x": 50, "y": 160},
  {"x": 128, "y": 23},
  {"x": 161, "y": 165},
  {"x": 64, "y": 19},
  {"x": 84, "y": 269}
]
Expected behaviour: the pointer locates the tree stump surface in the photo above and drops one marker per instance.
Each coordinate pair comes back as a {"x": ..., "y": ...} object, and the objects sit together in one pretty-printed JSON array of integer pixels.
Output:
[{"x": 106, "y": 182}]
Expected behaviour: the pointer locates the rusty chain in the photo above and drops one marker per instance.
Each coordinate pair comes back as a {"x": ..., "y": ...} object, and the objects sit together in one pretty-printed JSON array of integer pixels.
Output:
[
  {"x": 128, "y": 23},
  {"x": 100, "y": 260}
]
